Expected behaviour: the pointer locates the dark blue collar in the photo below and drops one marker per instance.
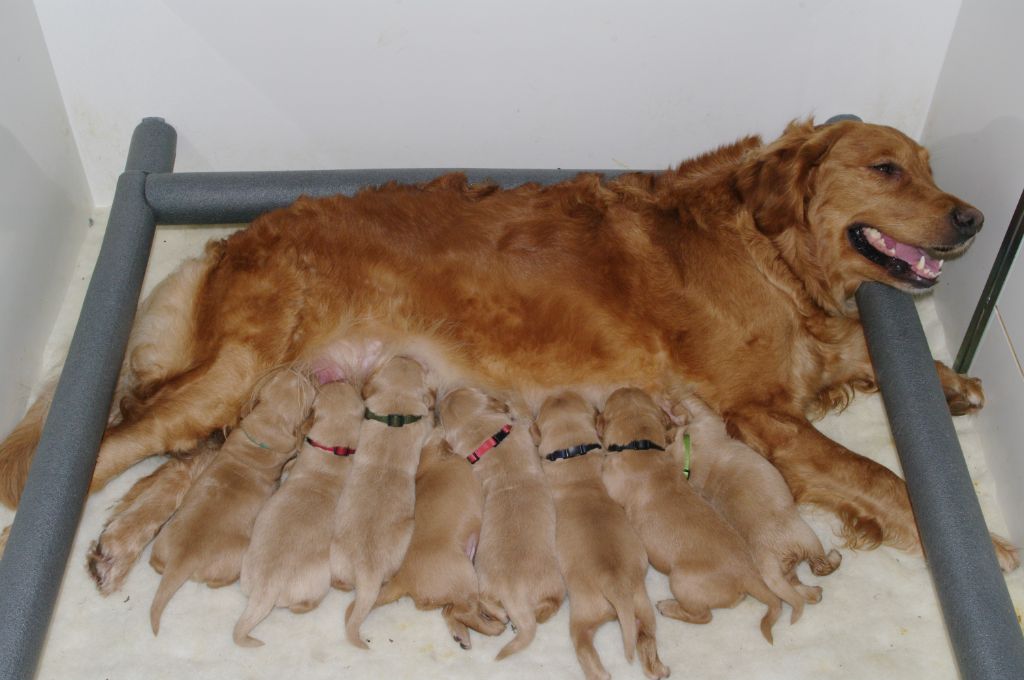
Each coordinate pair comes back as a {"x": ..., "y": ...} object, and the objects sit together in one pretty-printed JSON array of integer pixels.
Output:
[
  {"x": 636, "y": 445},
  {"x": 572, "y": 452}
]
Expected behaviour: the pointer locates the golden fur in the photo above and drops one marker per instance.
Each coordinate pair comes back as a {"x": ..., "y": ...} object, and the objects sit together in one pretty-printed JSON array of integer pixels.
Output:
[
  {"x": 437, "y": 571},
  {"x": 374, "y": 517},
  {"x": 733, "y": 272},
  {"x": 602, "y": 559},
  {"x": 752, "y": 496},
  {"x": 207, "y": 537},
  {"x": 287, "y": 563},
  {"x": 139, "y": 515},
  {"x": 707, "y": 563},
  {"x": 518, "y": 571}
]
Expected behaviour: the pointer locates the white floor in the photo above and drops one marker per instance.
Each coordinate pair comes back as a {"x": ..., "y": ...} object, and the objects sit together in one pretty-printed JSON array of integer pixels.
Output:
[{"x": 879, "y": 617}]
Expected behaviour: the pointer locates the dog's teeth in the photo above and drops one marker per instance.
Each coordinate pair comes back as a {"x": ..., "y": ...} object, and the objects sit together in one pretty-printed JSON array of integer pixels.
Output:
[
  {"x": 920, "y": 263},
  {"x": 891, "y": 251},
  {"x": 940, "y": 264}
]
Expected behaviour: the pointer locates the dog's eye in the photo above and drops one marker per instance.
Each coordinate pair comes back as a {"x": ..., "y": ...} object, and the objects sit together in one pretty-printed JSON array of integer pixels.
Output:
[{"x": 890, "y": 169}]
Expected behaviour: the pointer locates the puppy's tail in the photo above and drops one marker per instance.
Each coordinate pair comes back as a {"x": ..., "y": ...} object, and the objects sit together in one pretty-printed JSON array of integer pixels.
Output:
[
  {"x": 525, "y": 625},
  {"x": 761, "y": 592},
  {"x": 360, "y": 608},
  {"x": 261, "y": 603},
  {"x": 780, "y": 586},
  {"x": 175, "y": 575},
  {"x": 17, "y": 449},
  {"x": 625, "y": 610}
]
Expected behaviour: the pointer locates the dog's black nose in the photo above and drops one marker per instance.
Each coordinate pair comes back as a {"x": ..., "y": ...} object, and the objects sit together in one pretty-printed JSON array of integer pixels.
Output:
[{"x": 966, "y": 220}]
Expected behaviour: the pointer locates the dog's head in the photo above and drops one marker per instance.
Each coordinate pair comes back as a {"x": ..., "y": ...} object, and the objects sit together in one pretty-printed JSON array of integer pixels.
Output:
[
  {"x": 630, "y": 413},
  {"x": 851, "y": 202}
]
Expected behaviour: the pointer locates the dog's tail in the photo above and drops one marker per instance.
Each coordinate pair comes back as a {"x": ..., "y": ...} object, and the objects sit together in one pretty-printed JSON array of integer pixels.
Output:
[
  {"x": 525, "y": 625},
  {"x": 625, "y": 610},
  {"x": 368, "y": 587},
  {"x": 175, "y": 575},
  {"x": 261, "y": 603},
  {"x": 757, "y": 587},
  {"x": 161, "y": 346},
  {"x": 17, "y": 449}
]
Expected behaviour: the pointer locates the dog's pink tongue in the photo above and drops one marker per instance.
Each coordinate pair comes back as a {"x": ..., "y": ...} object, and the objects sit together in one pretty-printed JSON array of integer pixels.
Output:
[{"x": 912, "y": 255}]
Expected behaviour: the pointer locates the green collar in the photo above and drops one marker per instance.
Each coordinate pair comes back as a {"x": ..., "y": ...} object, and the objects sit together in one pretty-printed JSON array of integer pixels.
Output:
[{"x": 392, "y": 419}]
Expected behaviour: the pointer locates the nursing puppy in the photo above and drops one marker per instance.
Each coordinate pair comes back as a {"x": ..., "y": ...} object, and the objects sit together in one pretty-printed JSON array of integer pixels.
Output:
[
  {"x": 288, "y": 561},
  {"x": 138, "y": 516},
  {"x": 602, "y": 558},
  {"x": 515, "y": 561},
  {"x": 207, "y": 537},
  {"x": 708, "y": 564},
  {"x": 437, "y": 571},
  {"x": 753, "y": 497},
  {"x": 374, "y": 518}
]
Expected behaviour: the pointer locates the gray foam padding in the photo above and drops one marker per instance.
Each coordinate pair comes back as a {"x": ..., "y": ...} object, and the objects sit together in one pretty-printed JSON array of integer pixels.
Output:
[
  {"x": 980, "y": 618},
  {"x": 230, "y": 197},
  {"x": 40, "y": 541}
]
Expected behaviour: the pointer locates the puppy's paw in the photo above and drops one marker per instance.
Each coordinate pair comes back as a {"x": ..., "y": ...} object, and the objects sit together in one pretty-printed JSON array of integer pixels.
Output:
[{"x": 1006, "y": 553}]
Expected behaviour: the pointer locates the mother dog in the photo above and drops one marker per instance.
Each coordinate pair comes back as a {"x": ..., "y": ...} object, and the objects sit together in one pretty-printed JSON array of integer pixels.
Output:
[{"x": 733, "y": 274}]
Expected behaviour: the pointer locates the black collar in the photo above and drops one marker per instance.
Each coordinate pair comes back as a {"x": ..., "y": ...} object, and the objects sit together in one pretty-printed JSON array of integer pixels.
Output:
[
  {"x": 636, "y": 445},
  {"x": 572, "y": 452}
]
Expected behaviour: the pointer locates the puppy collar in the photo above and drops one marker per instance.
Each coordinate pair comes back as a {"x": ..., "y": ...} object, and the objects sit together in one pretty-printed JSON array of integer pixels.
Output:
[
  {"x": 636, "y": 445},
  {"x": 492, "y": 441},
  {"x": 572, "y": 452},
  {"x": 336, "y": 450},
  {"x": 392, "y": 419},
  {"x": 686, "y": 461}
]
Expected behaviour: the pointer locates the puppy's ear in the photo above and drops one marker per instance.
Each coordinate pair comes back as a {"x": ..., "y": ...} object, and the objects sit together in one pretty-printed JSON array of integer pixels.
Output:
[
  {"x": 495, "y": 404},
  {"x": 776, "y": 183},
  {"x": 535, "y": 433}
]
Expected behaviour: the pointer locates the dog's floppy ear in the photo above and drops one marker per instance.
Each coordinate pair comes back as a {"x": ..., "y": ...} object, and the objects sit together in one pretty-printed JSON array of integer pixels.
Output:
[
  {"x": 535, "y": 433},
  {"x": 775, "y": 183}
]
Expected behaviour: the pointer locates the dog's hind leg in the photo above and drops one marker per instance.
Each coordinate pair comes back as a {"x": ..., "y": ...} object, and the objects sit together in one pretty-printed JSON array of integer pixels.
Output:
[{"x": 182, "y": 412}]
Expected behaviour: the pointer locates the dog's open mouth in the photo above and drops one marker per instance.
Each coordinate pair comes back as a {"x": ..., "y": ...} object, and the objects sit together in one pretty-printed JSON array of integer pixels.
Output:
[{"x": 902, "y": 261}]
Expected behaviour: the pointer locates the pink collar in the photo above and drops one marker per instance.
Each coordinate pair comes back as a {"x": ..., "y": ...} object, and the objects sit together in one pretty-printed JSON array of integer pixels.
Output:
[
  {"x": 489, "y": 444},
  {"x": 336, "y": 450}
]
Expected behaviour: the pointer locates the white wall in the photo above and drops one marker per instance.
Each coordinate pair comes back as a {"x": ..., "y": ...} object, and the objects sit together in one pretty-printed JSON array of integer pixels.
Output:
[
  {"x": 975, "y": 131},
  {"x": 528, "y": 83},
  {"x": 44, "y": 203}
]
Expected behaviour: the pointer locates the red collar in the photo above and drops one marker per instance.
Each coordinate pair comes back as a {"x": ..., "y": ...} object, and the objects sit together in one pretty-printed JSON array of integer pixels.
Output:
[
  {"x": 336, "y": 450},
  {"x": 489, "y": 444}
]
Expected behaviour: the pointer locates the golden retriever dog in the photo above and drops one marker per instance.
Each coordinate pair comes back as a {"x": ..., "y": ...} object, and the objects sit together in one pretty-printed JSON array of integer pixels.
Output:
[
  {"x": 373, "y": 522},
  {"x": 752, "y": 496},
  {"x": 733, "y": 272},
  {"x": 602, "y": 559},
  {"x": 437, "y": 571},
  {"x": 707, "y": 563},
  {"x": 139, "y": 515},
  {"x": 520, "y": 580},
  {"x": 208, "y": 536},
  {"x": 287, "y": 563}
]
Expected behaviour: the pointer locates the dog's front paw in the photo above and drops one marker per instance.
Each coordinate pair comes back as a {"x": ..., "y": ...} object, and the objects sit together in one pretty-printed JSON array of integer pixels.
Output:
[
  {"x": 1006, "y": 553},
  {"x": 104, "y": 569},
  {"x": 964, "y": 394}
]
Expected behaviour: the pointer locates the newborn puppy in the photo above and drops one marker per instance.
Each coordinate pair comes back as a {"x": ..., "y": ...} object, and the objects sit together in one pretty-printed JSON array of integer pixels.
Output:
[
  {"x": 752, "y": 495},
  {"x": 602, "y": 559},
  {"x": 707, "y": 562},
  {"x": 288, "y": 561},
  {"x": 515, "y": 561},
  {"x": 207, "y": 537},
  {"x": 374, "y": 518},
  {"x": 138, "y": 516},
  {"x": 438, "y": 567}
]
